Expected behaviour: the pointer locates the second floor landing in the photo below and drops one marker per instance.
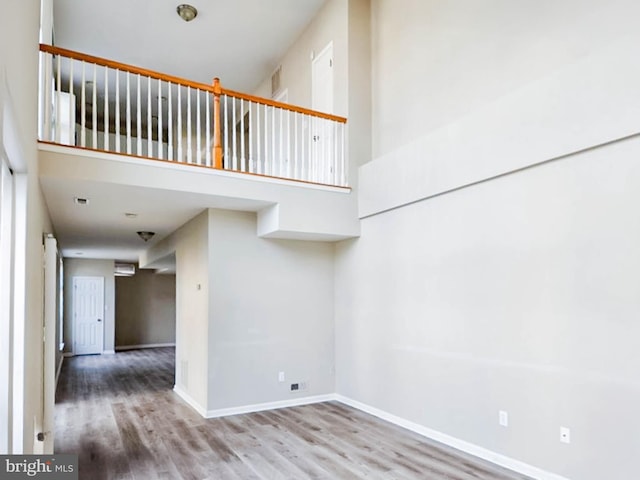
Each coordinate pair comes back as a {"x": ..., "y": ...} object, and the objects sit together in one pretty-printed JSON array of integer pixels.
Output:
[{"x": 99, "y": 200}]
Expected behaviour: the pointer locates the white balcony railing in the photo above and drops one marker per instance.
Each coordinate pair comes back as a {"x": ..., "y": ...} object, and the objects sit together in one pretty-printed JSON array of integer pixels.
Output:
[{"x": 99, "y": 104}]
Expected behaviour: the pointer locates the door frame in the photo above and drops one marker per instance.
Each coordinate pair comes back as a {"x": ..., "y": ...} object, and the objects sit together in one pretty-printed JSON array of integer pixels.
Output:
[{"x": 51, "y": 293}]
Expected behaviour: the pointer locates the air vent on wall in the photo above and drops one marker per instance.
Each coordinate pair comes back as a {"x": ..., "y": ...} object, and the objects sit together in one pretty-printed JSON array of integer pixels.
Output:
[
  {"x": 275, "y": 81},
  {"x": 125, "y": 269}
]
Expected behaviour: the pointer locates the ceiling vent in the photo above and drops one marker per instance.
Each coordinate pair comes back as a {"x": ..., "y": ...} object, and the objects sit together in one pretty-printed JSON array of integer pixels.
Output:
[
  {"x": 275, "y": 81},
  {"x": 125, "y": 270}
]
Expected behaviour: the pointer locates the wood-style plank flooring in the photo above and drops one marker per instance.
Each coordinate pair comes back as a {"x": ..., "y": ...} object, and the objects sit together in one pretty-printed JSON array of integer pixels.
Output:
[{"x": 120, "y": 415}]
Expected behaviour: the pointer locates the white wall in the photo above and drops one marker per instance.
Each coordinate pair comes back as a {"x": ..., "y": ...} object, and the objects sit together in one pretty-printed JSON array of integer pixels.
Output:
[
  {"x": 271, "y": 311},
  {"x": 18, "y": 73},
  {"x": 191, "y": 248},
  {"x": 248, "y": 308},
  {"x": 472, "y": 290},
  {"x": 77, "y": 267},
  {"x": 329, "y": 25},
  {"x": 145, "y": 309}
]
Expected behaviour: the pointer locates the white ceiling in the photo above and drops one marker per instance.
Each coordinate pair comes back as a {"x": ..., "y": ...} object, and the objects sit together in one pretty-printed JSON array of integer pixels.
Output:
[
  {"x": 239, "y": 41},
  {"x": 100, "y": 229}
]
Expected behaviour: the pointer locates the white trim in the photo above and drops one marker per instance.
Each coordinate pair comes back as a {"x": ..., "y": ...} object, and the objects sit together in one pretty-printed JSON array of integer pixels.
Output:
[
  {"x": 68, "y": 354},
  {"x": 260, "y": 407},
  {"x": 467, "y": 447},
  {"x": 282, "y": 95},
  {"x": 146, "y": 345},
  {"x": 190, "y": 401},
  {"x": 19, "y": 310},
  {"x": 108, "y": 352}
]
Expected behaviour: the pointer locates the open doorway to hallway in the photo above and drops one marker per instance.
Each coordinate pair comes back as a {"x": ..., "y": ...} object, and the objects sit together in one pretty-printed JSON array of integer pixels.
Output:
[
  {"x": 133, "y": 370},
  {"x": 145, "y": 309}
]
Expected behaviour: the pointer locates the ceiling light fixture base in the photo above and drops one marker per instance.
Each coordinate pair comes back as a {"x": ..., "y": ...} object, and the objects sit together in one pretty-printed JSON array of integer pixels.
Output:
[{"x": 187, "y": 12}]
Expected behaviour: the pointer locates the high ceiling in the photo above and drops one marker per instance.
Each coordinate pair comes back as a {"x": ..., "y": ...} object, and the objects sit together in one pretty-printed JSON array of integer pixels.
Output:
[{"x": 239, "y": 41}]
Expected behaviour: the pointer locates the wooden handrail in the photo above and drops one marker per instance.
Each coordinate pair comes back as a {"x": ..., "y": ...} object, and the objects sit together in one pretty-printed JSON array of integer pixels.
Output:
[
  {"x": 284, "y": 106},
  {"x": 182, "y": 81},
  {"x": 124, "y": 67}
]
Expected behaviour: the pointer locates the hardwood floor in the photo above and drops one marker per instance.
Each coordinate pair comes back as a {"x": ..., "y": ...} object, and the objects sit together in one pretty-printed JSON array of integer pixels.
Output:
[{"x": 119, "y": 413}]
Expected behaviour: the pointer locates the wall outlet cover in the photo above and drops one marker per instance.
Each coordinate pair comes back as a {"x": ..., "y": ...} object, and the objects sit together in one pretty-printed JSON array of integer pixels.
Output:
[{"x": 503, "y": 418}]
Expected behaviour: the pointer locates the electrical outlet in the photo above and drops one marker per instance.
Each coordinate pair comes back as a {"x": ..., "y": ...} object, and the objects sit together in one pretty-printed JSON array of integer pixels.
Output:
[
  {"x": 503, "y": 418},
  {"x": 565, "y": 435},
  {"x": 295, "y": 387},
  {"x": 281, "y": 377}
]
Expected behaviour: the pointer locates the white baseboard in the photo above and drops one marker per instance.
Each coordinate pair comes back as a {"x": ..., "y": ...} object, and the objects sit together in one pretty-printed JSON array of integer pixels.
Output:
[
  {"x": 146, "y": 345},
  {"x": 68, "y": 354},
  {"x": 260, "y": 407},
  {"x": 470, "y": 448},
  {"x": 190, "y": 401}
]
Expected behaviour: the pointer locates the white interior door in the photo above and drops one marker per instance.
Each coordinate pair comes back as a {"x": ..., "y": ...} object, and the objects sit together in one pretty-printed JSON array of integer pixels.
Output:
[
  {"x": 88, "y": 315},
  {"x": 322, "y": 80},
  {"x": 322, "y": 131}
]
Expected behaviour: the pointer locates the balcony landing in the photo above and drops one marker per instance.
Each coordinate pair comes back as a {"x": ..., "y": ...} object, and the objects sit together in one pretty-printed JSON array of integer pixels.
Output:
[{"x": 164, "y": 195}]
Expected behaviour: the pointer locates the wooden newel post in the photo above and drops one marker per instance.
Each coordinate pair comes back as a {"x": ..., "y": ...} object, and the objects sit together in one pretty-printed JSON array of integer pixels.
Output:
[{"x": 217, "y": 130}]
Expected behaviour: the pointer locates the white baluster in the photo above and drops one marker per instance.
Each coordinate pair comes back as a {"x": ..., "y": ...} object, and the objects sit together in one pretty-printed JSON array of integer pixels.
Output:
[
  {"x": 208, "y": 145},
  {"x": 149, "y": 120},
  {"x": 72, "y": 107},
  {"x": 106, "y": 109},
  {"x": 295, "y": 145},
  {"x": 139, "y": 118},
  {"x": 312, "y": 148},
  {"x": 128, "y": 113},
  {"x": 179, "y": 132},
  {"x": 345, "y": 165},
  {"x": 117, "y": 119},
  {"x": 267, "y": 150},
  {"x": 57, "y": 100},
  {"x": 274, "y": 142},
  {"x": 198, "y": 139},
  {"x": 160, "y": 114},
  {"x": 94, "y": 109},
  {"x": 47, "y": 85},
  {"x": 325, "y": 151},
  {"x": 83, "y": 109},
  {"x": 225, "y": 126},
  {"x": 189, "y": 151},
  {"x": 258, "y": 151},
  {"x": 235, "y": 137},
  {"x": 281, "y": 160},
  {"x": 170, "y": 122},
  {"x": 288, "y": 143},
  {"x": 243, "y": 166},
  {"x": 251, "y": 157}
]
